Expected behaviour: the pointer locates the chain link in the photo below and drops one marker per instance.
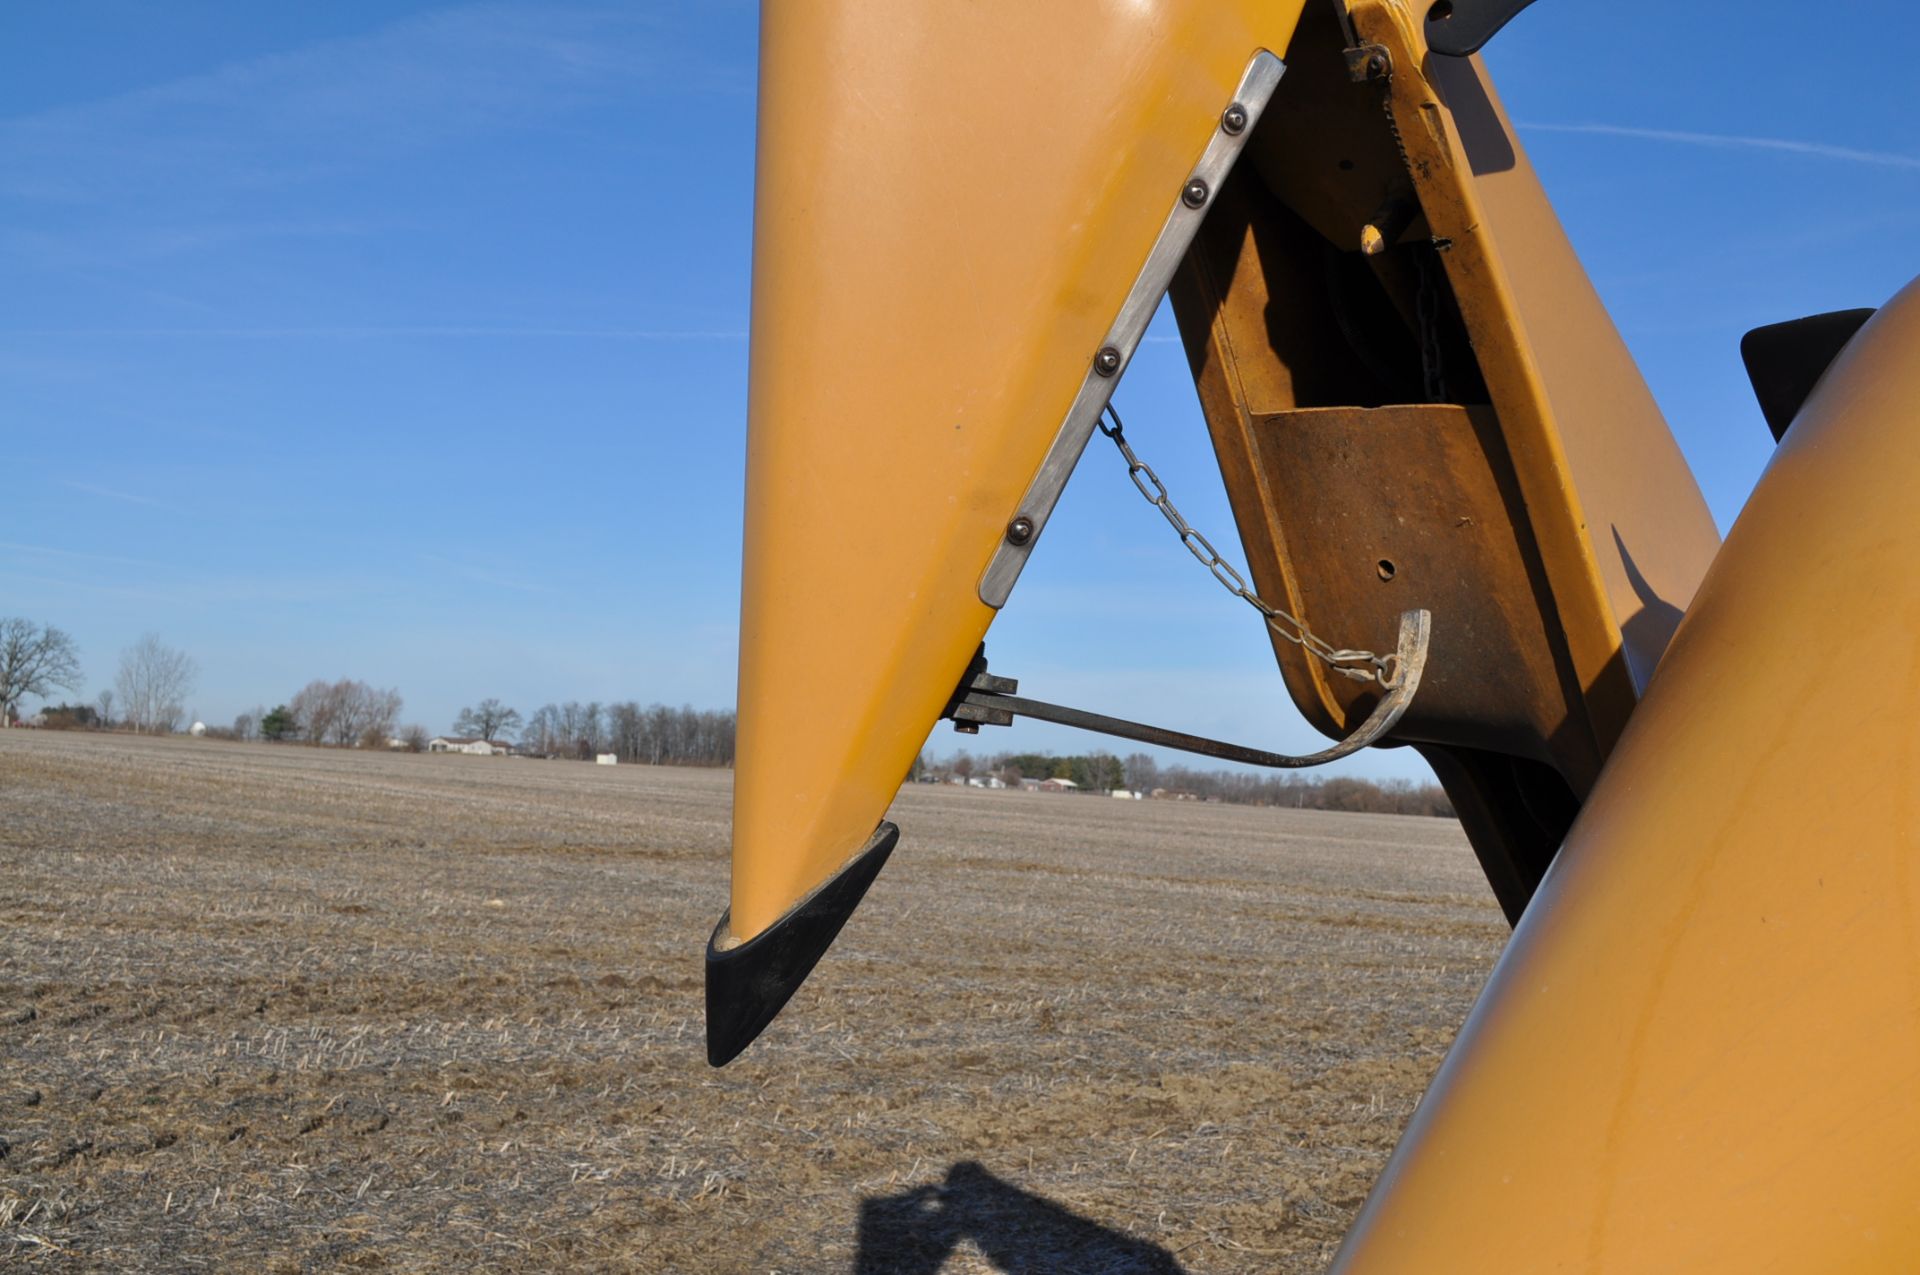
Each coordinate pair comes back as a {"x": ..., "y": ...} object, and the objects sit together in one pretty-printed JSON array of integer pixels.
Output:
[
  {"x": 1427, "y": 307},
  {"x": 1427, "y": 300},
  {"x": 1361, "y": 666}
]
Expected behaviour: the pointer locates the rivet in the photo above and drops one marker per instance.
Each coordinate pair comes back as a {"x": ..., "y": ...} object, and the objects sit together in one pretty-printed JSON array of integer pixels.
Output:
[
  {"x": 1020, "y": 530},
  {"x": 1234, "y": 118},
  {"x": 1195, "y": 194},
  {"x": 1107, "y": 362}
]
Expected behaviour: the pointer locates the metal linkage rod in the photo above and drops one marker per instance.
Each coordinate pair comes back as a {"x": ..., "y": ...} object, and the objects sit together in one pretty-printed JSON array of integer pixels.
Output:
[{"x": 985, "y": 698}]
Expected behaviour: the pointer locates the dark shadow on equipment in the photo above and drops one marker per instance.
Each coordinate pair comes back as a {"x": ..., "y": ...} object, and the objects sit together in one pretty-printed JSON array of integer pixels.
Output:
[
  {"x": 1651, "y": 627},
  {"x": 1482, "y": 137},
  {"x": 915, "y": 1232}
]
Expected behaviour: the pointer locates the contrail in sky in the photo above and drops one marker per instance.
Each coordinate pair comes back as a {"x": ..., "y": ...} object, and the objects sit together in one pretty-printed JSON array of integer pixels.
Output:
[
  {"x": 1729, "y": 141},
  {"x": 354, "y": 333}
]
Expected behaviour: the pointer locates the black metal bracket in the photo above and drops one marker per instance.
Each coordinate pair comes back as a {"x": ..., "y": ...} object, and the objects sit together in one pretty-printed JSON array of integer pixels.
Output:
[
  {"x": 1786, "y": 360},
  {"x": 1458, "y": 28},
  {"x": 968, "y": 715}
]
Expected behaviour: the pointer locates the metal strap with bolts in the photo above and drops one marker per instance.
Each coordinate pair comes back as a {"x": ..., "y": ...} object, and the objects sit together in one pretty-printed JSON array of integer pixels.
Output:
[{"x": 1236, "y": 123}]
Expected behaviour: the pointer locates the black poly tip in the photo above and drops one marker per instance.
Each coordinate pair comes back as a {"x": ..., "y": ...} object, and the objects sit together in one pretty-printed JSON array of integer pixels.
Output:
[
  {"x": 1786, "y": 360},
  {"x": 748, "y": 983},
  {"x": 1458, "y": 28}
]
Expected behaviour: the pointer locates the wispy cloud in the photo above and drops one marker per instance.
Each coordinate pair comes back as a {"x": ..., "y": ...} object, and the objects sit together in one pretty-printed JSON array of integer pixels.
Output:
[
  {"x": 331, "y": 105},
  {"x": 148, "y": 580},
  {"x": 486, "y": 576},
  {"x": 1733, "y": 141},
  {"x": 69, "y": 584},
  {"x": 49, "y": 551},
  {"x": 353, "y": 333},
  {"x": 97, "y": 247},
  {"x": 124, "y": 497}
]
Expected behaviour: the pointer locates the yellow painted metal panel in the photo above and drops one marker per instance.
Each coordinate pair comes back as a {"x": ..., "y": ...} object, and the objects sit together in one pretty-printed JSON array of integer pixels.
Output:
[
  {"x": 1701, "y": 1051},
  {"x": 1622, "y": 527},
  {"x": 952, "y": 202},
  {"x": 1647, "y": 526}
]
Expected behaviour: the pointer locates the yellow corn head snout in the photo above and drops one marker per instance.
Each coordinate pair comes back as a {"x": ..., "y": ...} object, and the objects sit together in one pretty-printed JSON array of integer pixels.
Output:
[
  {"x": 1699, "y": 1051},
  {"x": 952, "y": 204}
]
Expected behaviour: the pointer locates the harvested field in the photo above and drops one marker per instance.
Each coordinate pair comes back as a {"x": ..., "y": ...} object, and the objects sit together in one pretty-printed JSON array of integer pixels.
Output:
[{"x": 282, "y": 1009}]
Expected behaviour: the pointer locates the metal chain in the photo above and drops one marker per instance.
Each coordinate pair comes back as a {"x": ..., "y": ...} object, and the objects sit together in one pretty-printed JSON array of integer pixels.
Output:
[
  {"x": 1427, "y": 301},
  {"x": 1383, "y": 669},
  {"x": 1427, "y": 307}
]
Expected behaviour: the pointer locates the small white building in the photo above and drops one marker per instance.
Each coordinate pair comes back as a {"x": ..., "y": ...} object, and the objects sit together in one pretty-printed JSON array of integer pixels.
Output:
[
  {"x": 476, "y": 747},
  {"x": 606, "y": 759},
  {"x": 197, "y": 730}
]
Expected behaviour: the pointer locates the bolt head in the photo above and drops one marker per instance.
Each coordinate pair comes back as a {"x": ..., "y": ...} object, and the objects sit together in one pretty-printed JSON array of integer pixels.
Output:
[
  {"x": 1195, "y": 194},
  {"x": 1107, "y": 362},
  {"x": 1234, "y": 118},
  {"x": 1020, "y": 530},
  {"x": 1377, "y": 63}
]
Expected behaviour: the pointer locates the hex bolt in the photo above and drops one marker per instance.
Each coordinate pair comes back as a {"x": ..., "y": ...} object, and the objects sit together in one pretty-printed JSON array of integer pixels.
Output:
[
  {"x": 1020, "y": 530},
  {"x": 1378, "y": 64},
  {"x": 1195, "y": 193},
  {"x": 1234, "y": 118},
  {"x": 1107, "y": 362}
]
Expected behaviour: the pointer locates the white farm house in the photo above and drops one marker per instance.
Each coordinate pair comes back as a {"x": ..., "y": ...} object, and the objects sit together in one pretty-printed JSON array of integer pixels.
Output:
[{"x": 478, "y": 747}]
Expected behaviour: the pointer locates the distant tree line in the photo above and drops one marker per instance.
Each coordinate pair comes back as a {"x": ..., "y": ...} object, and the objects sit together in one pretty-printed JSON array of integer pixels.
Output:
[
  {"x": 150, "y": 691},
  {"x": 653, "y": 735},
  {"x": 1100, "y": 772},
  {"x": 70, "y": 717}
]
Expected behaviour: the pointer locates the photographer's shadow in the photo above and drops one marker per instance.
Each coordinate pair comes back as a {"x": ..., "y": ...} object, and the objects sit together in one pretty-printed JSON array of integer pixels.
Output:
[{"x": 1021, "y": 1233}]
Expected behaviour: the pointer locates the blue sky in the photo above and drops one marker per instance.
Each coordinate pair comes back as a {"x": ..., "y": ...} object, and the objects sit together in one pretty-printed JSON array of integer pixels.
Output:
[{"x": 406, "y": 342}]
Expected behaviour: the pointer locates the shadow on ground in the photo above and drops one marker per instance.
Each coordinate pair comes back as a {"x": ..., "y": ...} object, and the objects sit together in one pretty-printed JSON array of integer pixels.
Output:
[{"x": 1021, "y": 1233}]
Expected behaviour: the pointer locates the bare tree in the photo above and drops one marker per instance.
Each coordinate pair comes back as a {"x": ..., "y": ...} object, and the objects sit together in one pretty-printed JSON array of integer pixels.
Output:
[
  {"x": 382, "y": 712},
  {"x": 345, "y": 712},
  {"x": 152, "y": 680},
  {"x": 243, "y": 726},
  {"x": 542, "y": 735},
  {"x": 1142, "y": 770},
  {"x": 580, "y": 729},
  {"x": 313, "y": 711},
  {"x": 34, "y": 658},
  {"x": 489, "y": 719},
  {"x": 104, "y": 706},
  {"x": 626, "y": 730},
  {"x": 415, "y": 738}
]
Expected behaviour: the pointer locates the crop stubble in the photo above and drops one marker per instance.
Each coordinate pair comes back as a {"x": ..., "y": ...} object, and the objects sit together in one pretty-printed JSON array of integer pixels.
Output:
[{"x": 279, "y": 1008}]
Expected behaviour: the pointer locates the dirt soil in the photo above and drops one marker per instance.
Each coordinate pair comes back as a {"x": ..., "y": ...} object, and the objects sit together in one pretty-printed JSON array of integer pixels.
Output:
[{"x": 285, "y": 1009}]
